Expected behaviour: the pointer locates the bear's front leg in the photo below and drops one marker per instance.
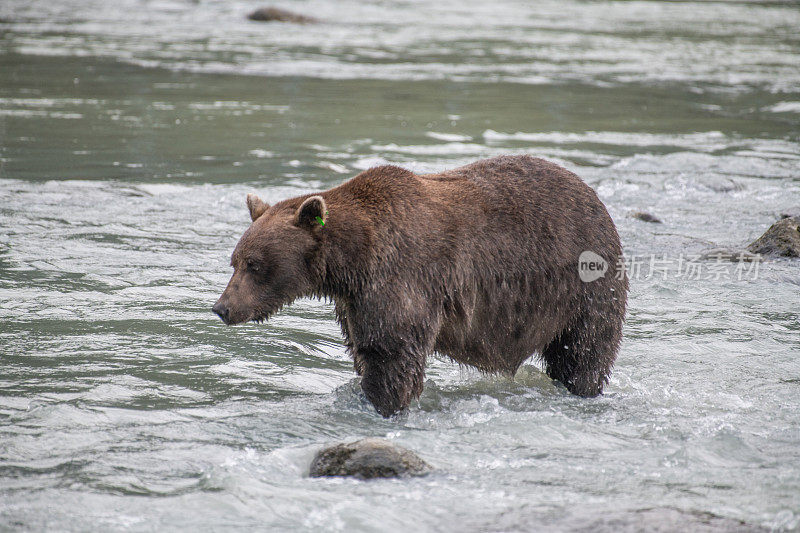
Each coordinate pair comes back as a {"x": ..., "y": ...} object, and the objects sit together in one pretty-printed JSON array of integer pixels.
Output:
[{"x": 391, "y": 378}]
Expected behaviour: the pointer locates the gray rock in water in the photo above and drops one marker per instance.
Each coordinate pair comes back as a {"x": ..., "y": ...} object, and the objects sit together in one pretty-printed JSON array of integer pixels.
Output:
[
  {"x": 368, "y": 459},
  {"x": 275, "y": 14},
  {"x": 782, "y": 239},
  {"x": 645, "y": 217}
]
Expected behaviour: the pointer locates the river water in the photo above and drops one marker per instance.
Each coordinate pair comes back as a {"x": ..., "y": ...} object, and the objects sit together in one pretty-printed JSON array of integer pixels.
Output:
[{"x": 130, "y": 133}]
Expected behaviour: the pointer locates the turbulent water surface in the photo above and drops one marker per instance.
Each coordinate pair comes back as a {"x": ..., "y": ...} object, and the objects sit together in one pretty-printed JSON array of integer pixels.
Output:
[{"x": 130, "y": 133}]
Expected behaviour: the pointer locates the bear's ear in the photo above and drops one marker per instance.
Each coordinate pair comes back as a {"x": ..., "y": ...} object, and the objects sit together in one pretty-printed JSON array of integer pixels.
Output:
[
  {"x": 256, "y": 206},
  {"x": 312, "y": 212}
]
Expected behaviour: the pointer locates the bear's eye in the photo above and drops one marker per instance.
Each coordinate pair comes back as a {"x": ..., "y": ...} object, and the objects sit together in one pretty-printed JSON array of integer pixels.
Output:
[{"x": 252, "y": 265}]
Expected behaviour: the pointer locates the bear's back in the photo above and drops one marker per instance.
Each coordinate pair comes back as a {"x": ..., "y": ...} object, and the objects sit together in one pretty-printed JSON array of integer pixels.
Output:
[
  {"x": 528, "y": 207},
  {"x": 507, "y": 208}
]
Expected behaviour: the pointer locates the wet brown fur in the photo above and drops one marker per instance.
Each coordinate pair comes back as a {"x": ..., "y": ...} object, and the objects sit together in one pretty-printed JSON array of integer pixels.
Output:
[{"x": 479, "y": 263}]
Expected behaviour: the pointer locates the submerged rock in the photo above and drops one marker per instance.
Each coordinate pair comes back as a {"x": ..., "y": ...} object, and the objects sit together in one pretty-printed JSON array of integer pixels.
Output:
[
  {"x": 782, "y": 239},
  {"x": 729, "y": 254},
  {"x": 645, "y": 217},
  {"x": 275, "y": 14},
  {"x": 663, "y": 520},
  {"x": 617, "y": 519},
  {"x": 722, "y": 185},
  {"x": 368, "y": 459}
]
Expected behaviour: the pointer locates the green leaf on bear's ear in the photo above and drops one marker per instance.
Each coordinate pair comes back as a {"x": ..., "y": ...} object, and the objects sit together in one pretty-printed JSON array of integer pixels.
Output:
[{"x": 312, "y": 208}]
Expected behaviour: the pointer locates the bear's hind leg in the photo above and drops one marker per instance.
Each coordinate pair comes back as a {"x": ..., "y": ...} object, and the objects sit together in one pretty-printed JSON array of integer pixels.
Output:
[{"x": 582, "y": 355}]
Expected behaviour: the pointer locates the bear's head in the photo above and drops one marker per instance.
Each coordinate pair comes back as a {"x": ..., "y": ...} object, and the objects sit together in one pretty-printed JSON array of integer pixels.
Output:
[{"x": 277, "y": 260}]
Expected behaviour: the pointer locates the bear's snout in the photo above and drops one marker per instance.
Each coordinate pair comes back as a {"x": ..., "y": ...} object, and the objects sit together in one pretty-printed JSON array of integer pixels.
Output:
[{"x": 222, "y": 310}]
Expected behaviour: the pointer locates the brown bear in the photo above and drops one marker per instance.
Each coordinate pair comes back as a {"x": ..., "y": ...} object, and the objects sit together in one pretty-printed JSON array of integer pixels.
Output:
[{"x": 487, "y": 264}]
